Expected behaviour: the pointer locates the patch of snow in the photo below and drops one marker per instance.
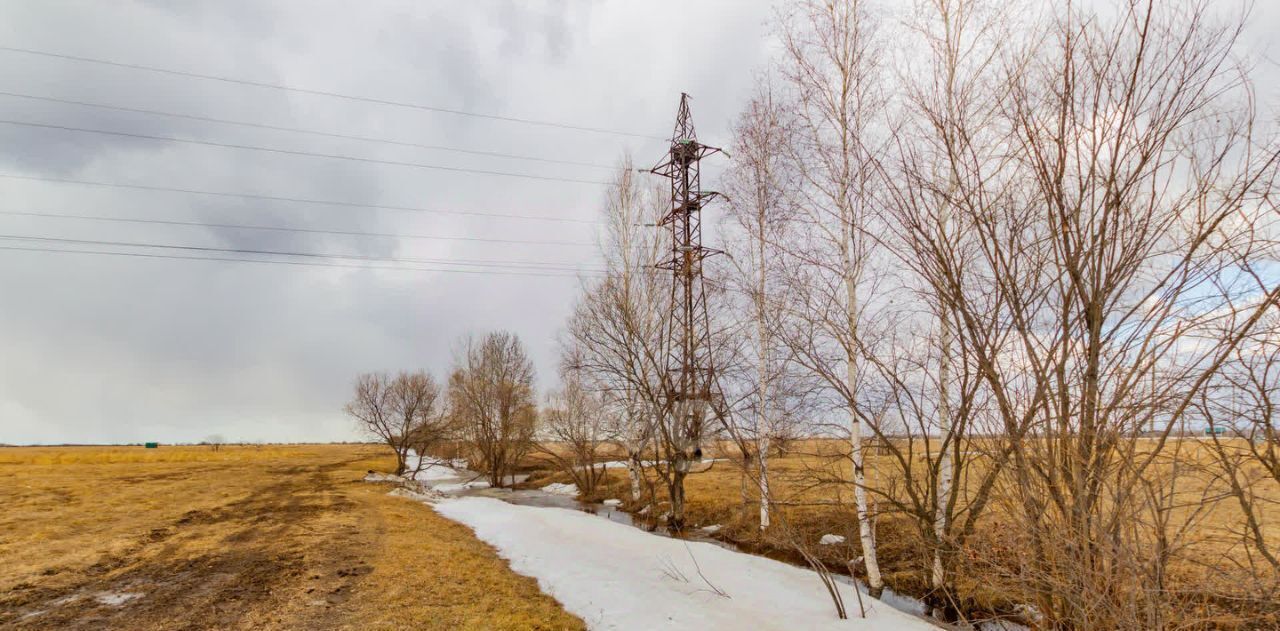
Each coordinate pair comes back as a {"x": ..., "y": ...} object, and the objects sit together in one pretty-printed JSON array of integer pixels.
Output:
[
  {"x": 828, "y": 540},
  {"x": 557, "y": 488},
  {"x": 444, "y": 476},
  {"x": 421, "y": 496},
  {"x": 612, "y": 502},
  {"x": 429, "y": 468},
  {"x": 458, "y": 487},
  {"x": 711, "y": 528},
  {"x": 618, "y": 577},
  {"x": 115, "y": 599},
  {"x": 435, "y": 469},
  {"x": 435, "y": 473},
  {"x": 382, "y": 477}
]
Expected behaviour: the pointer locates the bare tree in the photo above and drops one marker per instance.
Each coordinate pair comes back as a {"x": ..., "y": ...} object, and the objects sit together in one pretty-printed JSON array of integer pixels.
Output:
[
  {"x": 619, "y": 352},
  {"x": 755, "y": 184},
  {"x": 402, "y": 411},
  {"x": 946, "y": 141},
  {"x": 579, "y": 430},
  {"x": 830, "y": 65},
  {"x": 491, "y": 397},
  {"x": 417, "y": 399},
  {"x": 614, "y": 335}
]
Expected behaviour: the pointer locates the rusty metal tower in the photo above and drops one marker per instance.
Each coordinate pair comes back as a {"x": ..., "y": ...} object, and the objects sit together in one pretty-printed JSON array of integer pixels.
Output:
[{"x": 690, "y": 378}]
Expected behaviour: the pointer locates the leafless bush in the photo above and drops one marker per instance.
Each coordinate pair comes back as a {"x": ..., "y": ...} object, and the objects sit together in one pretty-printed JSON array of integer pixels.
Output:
[
  {"x": 578, "y": 430},
  {"x": 491, "y": 398}
]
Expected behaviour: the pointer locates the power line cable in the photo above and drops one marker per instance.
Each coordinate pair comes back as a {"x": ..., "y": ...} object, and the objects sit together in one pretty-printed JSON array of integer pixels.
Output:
[
  {"x": 168, "y": 222},
  {"x": 337, "y": 95},
  {"x": 277, "y": 262},
  {"x": 292, "y": 152},
  {"x": 316, "y": 255},
  {"x": 297, "y": 200},
  {"x": 300, "y": 130}
]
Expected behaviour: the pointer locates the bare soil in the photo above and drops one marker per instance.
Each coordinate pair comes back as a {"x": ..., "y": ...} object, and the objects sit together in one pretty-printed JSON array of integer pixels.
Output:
[{"x": 272, "y": 540}]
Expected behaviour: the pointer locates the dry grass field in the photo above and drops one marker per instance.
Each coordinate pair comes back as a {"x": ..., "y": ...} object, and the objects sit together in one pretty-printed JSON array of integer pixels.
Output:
[
  {"x": 290, "y": 537},
  {"x": 245, "y": 537}
]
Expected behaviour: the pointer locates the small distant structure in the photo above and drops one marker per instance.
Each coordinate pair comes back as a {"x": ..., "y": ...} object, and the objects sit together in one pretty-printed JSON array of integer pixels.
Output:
[
  {"x": 1215, "y": 431},
  {"x": 151, "y": 445}
]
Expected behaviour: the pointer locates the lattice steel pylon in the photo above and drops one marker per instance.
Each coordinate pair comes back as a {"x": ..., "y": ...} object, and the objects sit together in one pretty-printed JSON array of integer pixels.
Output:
[{"x": 690, "y": 378}]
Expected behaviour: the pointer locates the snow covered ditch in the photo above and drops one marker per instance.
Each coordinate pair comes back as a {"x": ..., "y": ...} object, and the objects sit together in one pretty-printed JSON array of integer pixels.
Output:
[
  {"x": 443, "y": 476},
  {"x": 439, "y": 482},
  {"x": 615, "y": 576},
  {"x": 429, "y": 468},
  {"x": 559, "y": 488}
]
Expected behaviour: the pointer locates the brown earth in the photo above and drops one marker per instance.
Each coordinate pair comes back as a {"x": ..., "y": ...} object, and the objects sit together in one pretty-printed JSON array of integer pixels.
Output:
[{"x": 246, "y": 537}]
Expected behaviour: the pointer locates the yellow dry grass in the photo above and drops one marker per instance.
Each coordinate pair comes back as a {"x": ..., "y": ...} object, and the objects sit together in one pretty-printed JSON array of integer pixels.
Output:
[
  {"x": 139, "y": 455},
  {"x": 245, "y": 537}
]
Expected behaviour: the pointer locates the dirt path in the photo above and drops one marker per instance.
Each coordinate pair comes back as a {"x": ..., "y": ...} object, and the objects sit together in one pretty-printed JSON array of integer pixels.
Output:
[{"x": 293, "y": 540}]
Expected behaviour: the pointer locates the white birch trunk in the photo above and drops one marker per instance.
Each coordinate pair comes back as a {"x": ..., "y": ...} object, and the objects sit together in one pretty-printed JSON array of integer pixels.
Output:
[
  {"x": 635, "y": 449},
  {"x": 875, "y": 583},
  {"x": 633, "y": 472},
  {"x": 762, "y": 336},
  {"x": 946, "y": 468},
  {"x": 764, "y": 482}
]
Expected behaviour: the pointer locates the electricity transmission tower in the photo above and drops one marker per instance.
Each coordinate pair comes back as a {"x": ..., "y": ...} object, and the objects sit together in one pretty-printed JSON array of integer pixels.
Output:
[{"x": 689, "y": 382}]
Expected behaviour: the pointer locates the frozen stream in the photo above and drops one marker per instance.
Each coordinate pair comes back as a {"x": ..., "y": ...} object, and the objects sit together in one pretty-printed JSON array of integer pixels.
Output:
[{"x": 457, "y": 481}]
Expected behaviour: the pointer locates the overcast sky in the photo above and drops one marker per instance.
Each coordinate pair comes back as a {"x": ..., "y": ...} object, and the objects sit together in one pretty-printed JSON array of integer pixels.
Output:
[
  {"x": 121, "y": 349},
  {"x": 98, "y": 348}
]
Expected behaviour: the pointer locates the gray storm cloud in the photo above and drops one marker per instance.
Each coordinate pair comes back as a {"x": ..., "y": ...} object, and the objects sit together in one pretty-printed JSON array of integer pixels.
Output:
[{"x": 109, "y": 349}]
